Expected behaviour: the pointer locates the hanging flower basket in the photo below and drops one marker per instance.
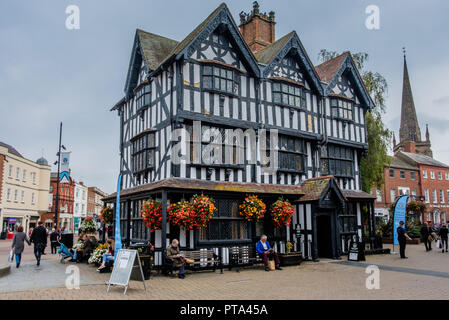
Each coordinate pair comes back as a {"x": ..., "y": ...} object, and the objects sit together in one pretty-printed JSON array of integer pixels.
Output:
[
  {"x": 106, "y": 215},
  {"x": 194, "y": 215},
  {"x": 282, "y": 212},
  {"x": 252, "y": 208},
  {"x": 152, "y": 214},
  {"x": 88, "y": 225}
]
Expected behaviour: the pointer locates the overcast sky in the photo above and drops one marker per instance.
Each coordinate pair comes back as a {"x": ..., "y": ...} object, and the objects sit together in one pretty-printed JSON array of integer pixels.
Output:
[{"x": 50, "y": 74}]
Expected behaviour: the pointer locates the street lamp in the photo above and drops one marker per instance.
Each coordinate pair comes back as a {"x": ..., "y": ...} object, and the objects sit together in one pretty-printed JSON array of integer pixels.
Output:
[{"x": 58, "y": 162}]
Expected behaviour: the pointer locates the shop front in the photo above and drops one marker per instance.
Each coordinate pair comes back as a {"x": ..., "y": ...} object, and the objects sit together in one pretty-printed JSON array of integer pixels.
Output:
[{"x": 325, "y": 220}]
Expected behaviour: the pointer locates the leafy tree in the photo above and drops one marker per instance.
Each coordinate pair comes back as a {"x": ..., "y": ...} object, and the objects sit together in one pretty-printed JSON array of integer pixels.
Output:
[{"x": 376, "y": 159}]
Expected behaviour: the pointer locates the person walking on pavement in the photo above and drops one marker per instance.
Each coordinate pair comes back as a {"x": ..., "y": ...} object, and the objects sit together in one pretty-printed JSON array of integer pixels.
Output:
[
  {"x": 402, "y": 238},
  {"x": 426, "y": 234},
  {"x": 443, "y": 236},
  {"x": 18, "y": 244},
  {"x": 39, "y": 238},
  {"x": 54, "y": 238}
]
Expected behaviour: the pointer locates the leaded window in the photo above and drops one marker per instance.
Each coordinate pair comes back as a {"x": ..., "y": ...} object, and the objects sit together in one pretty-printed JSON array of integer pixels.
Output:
[
  {"x": 143, "y": 95},
  {"x": 348, "y": 219},
  {"x": 143, "y": 153},
  {"x": 289, "y": 95},
  {"x": 220, "y": 79},
  {"x": 226, "y": 224},
  {"x": 290, "y": 153},
  {"x": 339, "y": 161},
  {"x": 342, "y": 109}
]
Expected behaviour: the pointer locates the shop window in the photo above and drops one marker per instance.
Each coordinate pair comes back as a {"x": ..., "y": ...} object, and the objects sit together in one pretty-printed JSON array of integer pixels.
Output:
[
  {"x": 342, "y": 109},
  {"x": 221, "y": 79},
  {"x": 289, "y": 95},
  {"x": 227, "y": 223},
  {"x": 339, "y": 161}
]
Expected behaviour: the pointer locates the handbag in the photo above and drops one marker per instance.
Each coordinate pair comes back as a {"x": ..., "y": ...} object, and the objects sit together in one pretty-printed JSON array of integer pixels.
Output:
[
  {"x": 189, "y": 261},
  {"x": 271, "y": 265},
  {"x": 11, "y": 253},
  {"x": 430, "y": 238}
]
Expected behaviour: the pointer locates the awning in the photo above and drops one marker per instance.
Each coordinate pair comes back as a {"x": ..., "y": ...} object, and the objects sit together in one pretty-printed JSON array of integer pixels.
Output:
[{"x": 204, "y": 185}]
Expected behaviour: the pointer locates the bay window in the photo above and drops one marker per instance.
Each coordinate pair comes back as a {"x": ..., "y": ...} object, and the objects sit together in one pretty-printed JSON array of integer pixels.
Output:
[
  {"x": 143, "y": 94},
  {"x": 220, "y": 78},
  {"x": 289, "y": 94},
  {"x": 339, "y": 161},
  {"x": 342, "y": 109},
  {"x": 143, "y": 152}
]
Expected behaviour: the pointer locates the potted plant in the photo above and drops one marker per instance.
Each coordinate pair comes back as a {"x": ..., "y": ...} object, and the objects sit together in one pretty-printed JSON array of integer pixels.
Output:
[
  {"x": 106, "y": 215},
  {"x": 152, "y": 214},
  {"x": 252, "y": 208},
  {"x": 290, "y": 258},
  {"x": 88, "y": 226},
  {"x": 192, "y": 215},
  {"x": 97, "y": 254}
]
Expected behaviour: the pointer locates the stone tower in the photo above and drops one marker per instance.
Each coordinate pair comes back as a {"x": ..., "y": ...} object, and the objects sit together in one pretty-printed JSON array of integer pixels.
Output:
[{"x": 409, "y": 132}]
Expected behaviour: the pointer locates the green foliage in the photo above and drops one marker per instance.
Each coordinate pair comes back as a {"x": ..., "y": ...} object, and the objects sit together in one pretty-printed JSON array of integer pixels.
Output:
[
  {"x": 416, "y": 207},
  {"x": 378, "y": 136},
  {"x": 412, "y": 223}
]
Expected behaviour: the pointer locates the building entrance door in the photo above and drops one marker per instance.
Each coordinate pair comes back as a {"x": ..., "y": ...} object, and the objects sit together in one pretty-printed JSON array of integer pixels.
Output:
[{"x": 324, "y": 236}]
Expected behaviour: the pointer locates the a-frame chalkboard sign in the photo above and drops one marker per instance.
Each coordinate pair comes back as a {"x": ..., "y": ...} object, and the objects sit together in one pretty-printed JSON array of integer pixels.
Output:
[{"x": 124, "y": 265}]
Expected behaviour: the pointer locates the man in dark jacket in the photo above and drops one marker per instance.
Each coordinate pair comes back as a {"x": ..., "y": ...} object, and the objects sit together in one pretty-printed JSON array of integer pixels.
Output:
[
  {"x": 443, "y": 236},
  {"x": 426, "y": 231},
  {"x": 39, "y": 238}
]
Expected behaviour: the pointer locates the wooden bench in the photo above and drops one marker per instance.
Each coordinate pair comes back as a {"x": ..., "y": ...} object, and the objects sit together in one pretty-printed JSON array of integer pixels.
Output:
[
  {"x": 204, "y": 259},
  {"x": 243, "y": 256}
]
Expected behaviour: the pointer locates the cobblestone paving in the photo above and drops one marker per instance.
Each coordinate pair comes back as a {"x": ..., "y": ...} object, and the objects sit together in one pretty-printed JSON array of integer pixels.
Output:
[{"x": 323, "y": 280}]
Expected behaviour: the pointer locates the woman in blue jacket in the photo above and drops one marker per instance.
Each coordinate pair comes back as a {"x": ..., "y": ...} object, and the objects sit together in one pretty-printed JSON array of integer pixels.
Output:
[{"x": 265, "y": 251}]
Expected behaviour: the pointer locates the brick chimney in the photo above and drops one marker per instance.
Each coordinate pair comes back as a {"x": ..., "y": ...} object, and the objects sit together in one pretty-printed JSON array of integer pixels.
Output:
[
  {"x": 257, "y": 28},
  {"x": 410, "y": 146}
]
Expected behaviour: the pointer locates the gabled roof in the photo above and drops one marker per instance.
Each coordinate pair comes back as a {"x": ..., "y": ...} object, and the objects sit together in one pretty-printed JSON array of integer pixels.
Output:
[
  {"x": 331, "y": 70},
  {"x": 316, "y": 188},
  {"x": 219, "y": 16},
  {"x": 327, "y": 70},
  {"x": 155, "y": 48},
  {"x": 267, "y": 54},
  {"x": 421, "y": 159},
  {"x": 270, "y": 56},
  {"x": 11, "y": 149}
]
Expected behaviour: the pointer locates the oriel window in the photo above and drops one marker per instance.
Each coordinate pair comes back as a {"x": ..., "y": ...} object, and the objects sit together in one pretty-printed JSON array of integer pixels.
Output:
[
  {"x": 143, "y": 96},
  {"x": 143, "y": 153},
  {"x": 220, "y": 79},
  {"x": 342, "y": 109},
  {"x": 289, "y": 95}
]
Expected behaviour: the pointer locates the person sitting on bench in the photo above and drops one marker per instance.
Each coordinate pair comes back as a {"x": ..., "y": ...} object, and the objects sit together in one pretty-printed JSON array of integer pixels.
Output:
[
  {"x": 267, "y": 253},
  {"x": 175, "y": 258},
  {"x": 108, "y": 256}
]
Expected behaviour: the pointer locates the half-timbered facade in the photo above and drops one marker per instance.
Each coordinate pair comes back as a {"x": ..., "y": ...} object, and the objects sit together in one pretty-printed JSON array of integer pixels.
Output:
[{"x": 221, "y": 79}]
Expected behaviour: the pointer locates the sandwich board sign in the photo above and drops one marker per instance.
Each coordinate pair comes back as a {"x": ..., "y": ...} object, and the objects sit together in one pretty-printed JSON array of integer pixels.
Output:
[{"x": 126, "y": 261}]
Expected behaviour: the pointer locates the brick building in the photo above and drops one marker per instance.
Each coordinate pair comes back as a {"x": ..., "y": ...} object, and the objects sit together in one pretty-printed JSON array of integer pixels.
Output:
[
  {"x": 412, "y": 170},
  {"x": 94, "y": 201},
  {"x": 66, "y": 204}
]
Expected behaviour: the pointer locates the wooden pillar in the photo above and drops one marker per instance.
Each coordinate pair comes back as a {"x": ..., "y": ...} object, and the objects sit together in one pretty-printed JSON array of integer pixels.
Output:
[
  {"x": 128, "y": 218},
  {"x": 314, "y": 239},
  {"x": 164, "y": 225}
]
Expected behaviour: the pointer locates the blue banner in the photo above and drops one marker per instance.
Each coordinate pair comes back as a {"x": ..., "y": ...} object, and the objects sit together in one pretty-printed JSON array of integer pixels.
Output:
[
  {"x": 118, "y": 236},
  {"x": 399, "y": 215}
]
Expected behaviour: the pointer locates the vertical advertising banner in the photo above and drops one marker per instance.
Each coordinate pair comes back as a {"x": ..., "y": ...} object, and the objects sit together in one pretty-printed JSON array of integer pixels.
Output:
[
  {"x": 399, "y": 215},
  {"x": 65, "y": 161}
]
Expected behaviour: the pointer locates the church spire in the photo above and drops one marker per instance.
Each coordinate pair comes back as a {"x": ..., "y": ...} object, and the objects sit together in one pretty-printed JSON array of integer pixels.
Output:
[
  {"x": 409, "y": 130},
  {"x": 427, "y": 133}
]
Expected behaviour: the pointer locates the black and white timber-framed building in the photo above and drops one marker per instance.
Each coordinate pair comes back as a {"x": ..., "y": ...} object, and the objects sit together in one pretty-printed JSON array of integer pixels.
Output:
[{"x": 224, "y": 77}]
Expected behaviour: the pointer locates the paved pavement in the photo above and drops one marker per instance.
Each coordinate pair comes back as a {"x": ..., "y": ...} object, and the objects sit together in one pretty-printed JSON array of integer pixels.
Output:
[{"x": 425, "y": 275}]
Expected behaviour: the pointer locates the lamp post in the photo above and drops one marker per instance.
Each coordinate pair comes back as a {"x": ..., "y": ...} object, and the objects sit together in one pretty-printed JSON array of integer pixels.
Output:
[{"x": 58, "y": 178}]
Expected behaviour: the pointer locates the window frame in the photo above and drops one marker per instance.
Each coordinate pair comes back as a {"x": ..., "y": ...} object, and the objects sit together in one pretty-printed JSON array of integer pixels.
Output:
[
  {"x": 391, "y": 173},
  {"x": 293, "y": 90},
  {"x": 143, "y": 145},
  {"x": 402, "y": 174},
  {"x": 338, "y": 160},
  {"x": 290, "y": 153},
  {"x": 229, "y": 70},
  {"x": 142, "y": 93},
  {"x": 338, "y": 103}
]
